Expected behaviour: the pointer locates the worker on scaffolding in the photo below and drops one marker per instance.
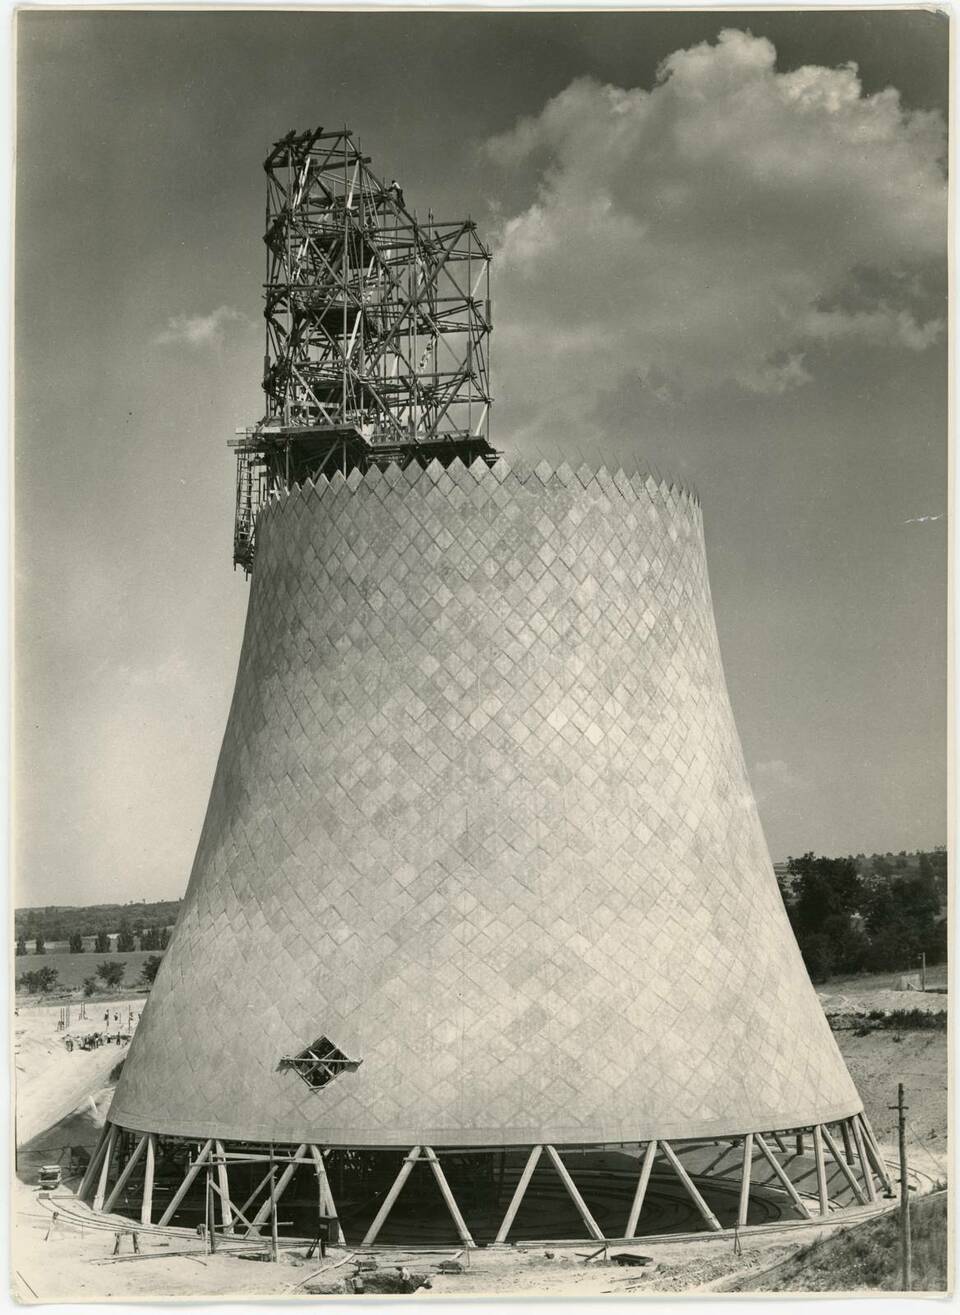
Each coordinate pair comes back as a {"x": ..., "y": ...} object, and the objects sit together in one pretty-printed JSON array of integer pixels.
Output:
[{"x": 394, "y": 190}]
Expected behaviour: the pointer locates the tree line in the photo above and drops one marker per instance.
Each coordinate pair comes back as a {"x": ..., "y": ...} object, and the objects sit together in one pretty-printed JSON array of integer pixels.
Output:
[
  {"x": 111, "y": 972},
  {"x": 129, "y": 938},
  {"x": 846, "y": 922},
  {"x": 60, "y": 922}
]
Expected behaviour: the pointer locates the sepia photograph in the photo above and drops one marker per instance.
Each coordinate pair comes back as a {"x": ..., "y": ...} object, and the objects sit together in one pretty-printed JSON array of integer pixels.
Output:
[{"x": 479, "y": 498}]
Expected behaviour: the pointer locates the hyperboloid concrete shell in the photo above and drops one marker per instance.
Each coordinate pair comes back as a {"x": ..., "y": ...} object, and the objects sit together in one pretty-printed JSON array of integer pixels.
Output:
[{"x": 481, "y": 820}]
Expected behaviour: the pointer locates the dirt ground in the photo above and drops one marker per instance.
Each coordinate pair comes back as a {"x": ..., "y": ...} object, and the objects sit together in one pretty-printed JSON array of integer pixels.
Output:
[
  {"x": 877, "y": 1062},
  {"x": 69, "y": 1260},
  {"x": 880, "y": 1059},
  {"x": 50, "y": 1081}
]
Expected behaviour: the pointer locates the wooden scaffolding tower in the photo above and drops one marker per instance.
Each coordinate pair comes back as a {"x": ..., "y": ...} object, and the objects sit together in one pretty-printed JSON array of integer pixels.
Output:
[{"x": 377, "y": 328}]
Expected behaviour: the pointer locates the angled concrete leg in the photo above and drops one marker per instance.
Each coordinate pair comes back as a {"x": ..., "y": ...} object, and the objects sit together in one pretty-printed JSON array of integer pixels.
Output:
[
  {"x": 105, "y": 1168},
  {"x": 94, "y": 1164},
  {"x": 391, "y": 1198},
  {"x": 845, "y": 1169},
  {"x": 640, "y": 1195},
  {"x": 184, "y": 1187},
  {"x": 712, "y": 1220},
  {"x": 518, "y": 1195},
  {"x": 593, "y": 1228},
  {"x": 781, "y": 1175},
  {"x": 463, "y": 1232},
  {"x": 865, "y": 1167},
  {"x": 745, "y": 1180}
]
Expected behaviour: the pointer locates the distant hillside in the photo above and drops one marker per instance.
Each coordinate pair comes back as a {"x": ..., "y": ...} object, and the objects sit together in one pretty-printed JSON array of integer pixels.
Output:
[
  {"x": 58, "y": 922},
  {"x": 903, "y": 864}
]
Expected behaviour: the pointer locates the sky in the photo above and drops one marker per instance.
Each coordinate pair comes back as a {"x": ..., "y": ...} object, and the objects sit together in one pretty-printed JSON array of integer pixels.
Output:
[{"x": 719, "y": 244}]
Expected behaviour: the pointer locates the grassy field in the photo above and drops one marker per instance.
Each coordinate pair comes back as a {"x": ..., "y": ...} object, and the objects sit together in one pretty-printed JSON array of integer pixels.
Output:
[
  {"x": 73, "y": 968},
  {"x": 856, "y": 985},
  {"x": 867, "y": 1257}
]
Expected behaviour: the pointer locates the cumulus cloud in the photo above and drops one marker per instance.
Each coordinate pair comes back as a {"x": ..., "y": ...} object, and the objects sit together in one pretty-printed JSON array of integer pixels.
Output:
[
  {"x": 721, "y": 228},
  {"x": 202, "y": 330}
]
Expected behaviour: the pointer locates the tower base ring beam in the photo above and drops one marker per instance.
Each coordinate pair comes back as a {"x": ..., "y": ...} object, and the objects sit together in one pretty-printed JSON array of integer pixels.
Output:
[{"x": 723, "y": 1180}]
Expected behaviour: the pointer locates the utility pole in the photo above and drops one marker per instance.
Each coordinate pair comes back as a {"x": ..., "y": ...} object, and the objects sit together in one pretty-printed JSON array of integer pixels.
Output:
[
  {"x": 905, "y": 1247},
  {"x": 923, "y": 971}
]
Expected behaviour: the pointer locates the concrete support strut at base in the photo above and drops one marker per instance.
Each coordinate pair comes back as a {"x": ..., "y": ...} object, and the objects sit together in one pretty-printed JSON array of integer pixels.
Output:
[
  {"x": 781, "y": 1174},
  {"x": 593, "y": 1228},
  {"x": 745, "y": 1180},
  {"x": 518, "y": 1195},
  {"x": 105, "y": 1168},
  {"x": 214, "y": 1158},
  {"x": 124, "y": 1178},
  {"x": 873, "y": 1150},
  {"x": 184, "y": 1187},
  {"x": 865, "y": 1168},
  {"x": 146, "y": 1205},
  {"x": 424, "y": 1155},
  {"x": 641, "y": 1192},
  {"x": 847, "y": 1142},
  {"x": 844, "y": 1168},
  {"x": 712, "y": 1220},
  {"x": 462, "y": 1231},
  {"x": 390, "y": 1200},
  {"x": 821, "y": 1169},
  {"x": 86, "y": 1183},
  {"x": 223, "y": 1189},
  {"x": 325, "y": 1191}
]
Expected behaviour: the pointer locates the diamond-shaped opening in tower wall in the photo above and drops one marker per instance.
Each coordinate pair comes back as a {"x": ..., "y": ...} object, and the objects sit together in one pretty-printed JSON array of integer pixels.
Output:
[{"x": 320, "y": 1062}]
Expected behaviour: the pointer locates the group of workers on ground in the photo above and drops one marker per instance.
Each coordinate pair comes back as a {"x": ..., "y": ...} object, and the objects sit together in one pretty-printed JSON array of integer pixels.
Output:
[{"x": 94, "y": 1039}]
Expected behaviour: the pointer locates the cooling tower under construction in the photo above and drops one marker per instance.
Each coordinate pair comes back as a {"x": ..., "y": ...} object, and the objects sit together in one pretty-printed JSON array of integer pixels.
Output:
[
  {"x": 481, "y": 821},
  {"x": 482, "y": 936}
]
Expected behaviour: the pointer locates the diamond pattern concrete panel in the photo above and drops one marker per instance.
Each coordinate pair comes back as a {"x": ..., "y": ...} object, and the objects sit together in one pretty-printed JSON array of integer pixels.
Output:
[{"x": 481, "y": 817}]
